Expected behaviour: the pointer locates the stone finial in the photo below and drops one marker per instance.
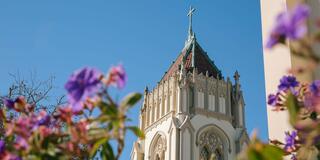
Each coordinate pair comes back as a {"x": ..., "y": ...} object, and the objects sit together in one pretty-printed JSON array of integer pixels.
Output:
[
  {"x": 207, "y": 74},
  {"x": 182, "y": 71},
  {"x": 236, "y": 77},
  {"x": 146, "y": 90}
]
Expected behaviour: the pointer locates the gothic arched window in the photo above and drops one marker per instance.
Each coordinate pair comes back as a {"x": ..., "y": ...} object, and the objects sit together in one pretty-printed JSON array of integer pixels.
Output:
[
  {"x": 158, "y": 148},
  {"x": 211, "y": 146}
]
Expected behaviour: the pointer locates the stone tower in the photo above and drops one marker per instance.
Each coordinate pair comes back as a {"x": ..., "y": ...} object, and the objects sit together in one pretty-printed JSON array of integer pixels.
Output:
[{"x": 193, "y": 112}]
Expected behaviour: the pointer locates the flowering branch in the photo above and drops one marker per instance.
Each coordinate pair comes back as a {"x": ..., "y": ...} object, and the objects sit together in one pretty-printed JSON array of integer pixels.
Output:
[{"x": 39, "y": 135}]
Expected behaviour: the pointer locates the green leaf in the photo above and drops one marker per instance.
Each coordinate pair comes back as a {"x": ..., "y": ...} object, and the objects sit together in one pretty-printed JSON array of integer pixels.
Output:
[
  {"x": 131, "y": 99},
  {"x": 108, "y": 109},
  {"x": 254, "y": 155},
  {"x": 136, "y": 131},
  {"x": 107, "y": 152},
  {"x": 293, "y": 108},
  {"x": 272, "y": 152},
  {"x": 258, "y": 150},
  {"x": 97, "y": 145}
]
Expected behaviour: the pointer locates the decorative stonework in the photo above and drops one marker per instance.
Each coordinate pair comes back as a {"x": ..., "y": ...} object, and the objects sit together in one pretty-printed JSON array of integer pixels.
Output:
[
  {"x": 158, "y": 147},
  {"x": 211, "y": 141}
]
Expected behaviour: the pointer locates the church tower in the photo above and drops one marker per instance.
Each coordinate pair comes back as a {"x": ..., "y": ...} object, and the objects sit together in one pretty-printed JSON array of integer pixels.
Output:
[{"x": 193, "y": 113}]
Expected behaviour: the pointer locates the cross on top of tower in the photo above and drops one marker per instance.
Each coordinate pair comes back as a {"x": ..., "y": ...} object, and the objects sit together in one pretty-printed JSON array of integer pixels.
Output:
[{"x": 190, "y": 13}]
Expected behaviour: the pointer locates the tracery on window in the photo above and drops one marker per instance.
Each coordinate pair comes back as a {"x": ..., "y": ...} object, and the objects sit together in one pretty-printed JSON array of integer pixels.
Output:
[
  {"x": 158, "y": 149},
  {"x": 211, "y": 146}
]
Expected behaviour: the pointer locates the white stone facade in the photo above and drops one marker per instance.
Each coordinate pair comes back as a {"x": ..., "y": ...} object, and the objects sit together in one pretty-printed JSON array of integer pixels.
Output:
[
  {"x": 178, "y": 112},
  {"x": 193, "y": 113}
]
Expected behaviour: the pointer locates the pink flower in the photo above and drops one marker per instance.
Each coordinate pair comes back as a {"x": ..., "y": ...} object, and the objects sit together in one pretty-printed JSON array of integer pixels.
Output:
[
  {"x": 44, "y": 131},
  {"x": 21, "y": 143},
  {"x": 65, "y": 114},
  {"x": 19, "y": 104},
  {"x": 117, "y": 77}
]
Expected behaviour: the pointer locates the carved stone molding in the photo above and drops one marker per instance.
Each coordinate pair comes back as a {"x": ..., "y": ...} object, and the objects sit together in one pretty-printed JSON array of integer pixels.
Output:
[{"x": 211, "y": 141}]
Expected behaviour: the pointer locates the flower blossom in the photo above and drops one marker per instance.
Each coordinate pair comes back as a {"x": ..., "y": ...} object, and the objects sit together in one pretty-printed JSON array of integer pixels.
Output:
[
  {"x": 9, "y": 156},
  {"x": 2, "y": 146},
  {"x": 289, "y": 25},
  {"x": 117, "y": 77},
  {"x": 290, "y": 141},
  {"x": 81, "y": 85},
  {"x": 18, "y": 104},
  {"x": 8, "y": 103},
  {"x": 43, "y": 118},
  {"x": 65, "y": 114},
  {"x": 315, "y": 87},
  {"x": 21, "y": 143},
  {"x": 288, "y": 83},
  {"x": 312, "y": 98},
  {"x": 272, "y": 99}
]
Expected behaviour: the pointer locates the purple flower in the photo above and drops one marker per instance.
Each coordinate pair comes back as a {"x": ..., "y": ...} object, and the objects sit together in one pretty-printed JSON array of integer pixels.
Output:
[
  {"x": 2, "y": 146},
  {"x": 21, "y": 143},
  {"x": 290, "y": 141},
  {"x": 312, "y": 102},
  {"x": 272, "y": 99},
  {"x": 9, "y": 156},
  {"x": 312, "y": 98},
  {"x": 82, "y": 84},
  {"x": 289, "y": 25},
  {"x": 117, "y": 76},
  {"x": 42, "y": 119},
  {"x": 288, "y": 82},
  {"x": 8, "y": 103},
  {"x": 315, "y": 87}
]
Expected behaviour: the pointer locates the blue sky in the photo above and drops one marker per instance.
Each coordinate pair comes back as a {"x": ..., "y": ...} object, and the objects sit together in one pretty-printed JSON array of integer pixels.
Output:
[{"x": 57, "y": 37}]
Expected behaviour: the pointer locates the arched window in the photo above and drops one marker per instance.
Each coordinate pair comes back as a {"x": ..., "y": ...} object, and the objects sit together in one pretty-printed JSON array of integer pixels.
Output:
[
  {"x": 211, "y": 146},
  {"x": 158, "y": 148}
]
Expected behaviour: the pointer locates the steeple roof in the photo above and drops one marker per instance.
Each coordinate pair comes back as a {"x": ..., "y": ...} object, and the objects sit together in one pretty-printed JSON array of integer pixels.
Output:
[{"x": 193, "y": 56}]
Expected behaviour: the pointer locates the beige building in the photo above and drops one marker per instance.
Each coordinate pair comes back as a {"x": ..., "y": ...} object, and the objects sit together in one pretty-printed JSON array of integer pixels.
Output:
[
  {"x": 279, "y": 60},
  {"x": 193, "y": 112}
]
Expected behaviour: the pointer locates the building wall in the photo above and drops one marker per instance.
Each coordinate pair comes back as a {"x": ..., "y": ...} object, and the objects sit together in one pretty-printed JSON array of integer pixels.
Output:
[
  {"x": 178, "y": 110},
  {"x": 279, "y": 60}
]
